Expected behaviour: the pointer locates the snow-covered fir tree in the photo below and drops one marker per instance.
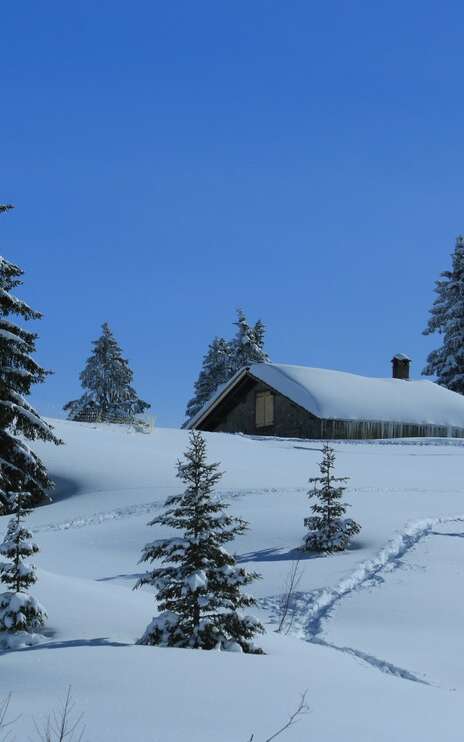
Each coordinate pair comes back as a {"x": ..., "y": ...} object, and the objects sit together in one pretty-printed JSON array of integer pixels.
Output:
[
  {"x": 328, "y": 530},
  {"x": 225, "y": 357},
  {"x": 199, "y": 585},
  {"x": 106, "y": 379},
  {"x": 20, "y": 468},
  {"x": 447, "y": 318},
  {"x": 216, "y": 370},
  {"x": 20, "y": 613},
  {"x": 248, "y": 344}
]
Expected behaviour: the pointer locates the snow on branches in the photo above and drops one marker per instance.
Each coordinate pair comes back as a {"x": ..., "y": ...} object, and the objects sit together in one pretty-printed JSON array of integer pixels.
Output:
[
  {"x": 447, "y": 318},
  {"x": 20, "y": 468},
  {"x": 327, "y": 529},
  {"x": 248, "y": 345},
  {"x": 106, "y": 379},
  {"x": 199, "y": 585},
  {"x": 215, "y": 371},
  {"x": 21, "y": 615},
  {"x": 225, "y": 357}
]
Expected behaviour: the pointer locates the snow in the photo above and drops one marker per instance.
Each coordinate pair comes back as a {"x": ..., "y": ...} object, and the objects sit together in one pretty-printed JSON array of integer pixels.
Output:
[
  {"x": 376, "y": 636},
  {"x": 24, "y": 410},
  {"x": 20, "y": 610},
  {"x": 20, "y": 639},
  {"x": 15, "y": 370},
  {"x": 10, "y": 336},
  {"x": 343, "y": 396},
  {"x": 197, "y": 580}
]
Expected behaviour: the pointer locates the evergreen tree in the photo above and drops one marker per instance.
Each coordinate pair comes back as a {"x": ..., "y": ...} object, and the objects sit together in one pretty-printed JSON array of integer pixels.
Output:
[
  {"x": 20, "y": 468},
  {"x": 19, "y": 611},
  {"x": 109, "y": 396},
  {"x": 447, "y": 318},
  {"x": 328, "y": 530},
  {"x": 224, "y": 358},
  {"x": 248, "y": 345},
  {"x": 216, "y": 370},
  {"x": 199, "y": 584}
]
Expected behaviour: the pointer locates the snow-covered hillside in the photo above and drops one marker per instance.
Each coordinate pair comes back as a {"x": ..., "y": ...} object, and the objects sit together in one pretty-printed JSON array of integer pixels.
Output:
[{"x": 377, "y": 637}]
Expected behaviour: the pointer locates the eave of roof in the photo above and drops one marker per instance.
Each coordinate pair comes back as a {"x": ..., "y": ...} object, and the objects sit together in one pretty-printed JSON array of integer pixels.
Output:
[{"x": 217, "y": 398}]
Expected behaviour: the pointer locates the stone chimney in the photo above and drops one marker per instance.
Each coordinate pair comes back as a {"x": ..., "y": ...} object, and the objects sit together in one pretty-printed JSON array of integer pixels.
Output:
[{"x": 400, "y": 364}]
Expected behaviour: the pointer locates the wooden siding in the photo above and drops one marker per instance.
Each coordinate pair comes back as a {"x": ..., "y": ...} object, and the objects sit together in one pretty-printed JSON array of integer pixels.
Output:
[{"x": 237, "y": 414}]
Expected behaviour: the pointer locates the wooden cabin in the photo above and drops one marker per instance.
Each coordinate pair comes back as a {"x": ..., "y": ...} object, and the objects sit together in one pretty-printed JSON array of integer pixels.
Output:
[{"x": 269, "y": 399}]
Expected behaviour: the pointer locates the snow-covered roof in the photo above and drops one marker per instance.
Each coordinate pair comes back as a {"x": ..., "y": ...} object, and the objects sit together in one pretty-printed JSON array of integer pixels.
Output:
[{"x": 337, "y": 395}]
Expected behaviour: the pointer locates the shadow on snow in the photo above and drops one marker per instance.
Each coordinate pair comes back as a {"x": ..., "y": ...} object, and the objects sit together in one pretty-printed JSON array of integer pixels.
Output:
[
  {"x": 293, "y": 555},
  {"x": 71, "y": 643}
]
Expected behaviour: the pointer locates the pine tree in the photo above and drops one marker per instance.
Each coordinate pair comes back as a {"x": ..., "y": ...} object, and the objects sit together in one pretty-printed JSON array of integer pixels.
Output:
[
  {"x": 224, "y": 358},
  {"x": 20, "y": 468},
  {"x": 447, "y": 318},
  {"x": 109, "y": 396},
  {"x": 328, "y": 530},
  {"x": 216, "y": 370},
  {"x": 19, "y": 611},
  {"x": 248, "y": 345},
  {"x": 199, "y": 583}
]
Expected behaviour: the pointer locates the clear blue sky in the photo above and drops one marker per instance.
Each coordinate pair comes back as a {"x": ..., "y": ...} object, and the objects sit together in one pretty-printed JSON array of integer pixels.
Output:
[{"x": 171, "y": 161}]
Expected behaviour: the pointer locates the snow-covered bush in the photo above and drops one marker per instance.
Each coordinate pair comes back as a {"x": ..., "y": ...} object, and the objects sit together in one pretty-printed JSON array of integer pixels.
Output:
[
  {"x": 199, "y": 585},
  {"x": 328, "y": 530},
  {"x": 21, "y": 615}
]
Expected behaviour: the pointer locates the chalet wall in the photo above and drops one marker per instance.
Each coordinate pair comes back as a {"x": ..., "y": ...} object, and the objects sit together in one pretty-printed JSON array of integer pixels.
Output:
[{"x": 238, "y": 416}]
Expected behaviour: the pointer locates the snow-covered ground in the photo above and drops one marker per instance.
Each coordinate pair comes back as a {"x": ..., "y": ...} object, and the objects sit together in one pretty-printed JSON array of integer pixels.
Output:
[{"x": 376, "y": 638}]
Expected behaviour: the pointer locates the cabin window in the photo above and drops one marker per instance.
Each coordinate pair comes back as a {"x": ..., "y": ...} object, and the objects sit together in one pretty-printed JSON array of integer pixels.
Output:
[{"x": 264, "y": 409}]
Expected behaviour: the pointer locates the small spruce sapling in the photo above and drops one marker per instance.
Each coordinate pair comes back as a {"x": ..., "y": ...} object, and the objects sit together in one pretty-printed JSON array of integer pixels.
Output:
[
  {"x": 20, "y": 613},
  {"x": 328, "y": 530},
  {"x": 199, "y": 585}
]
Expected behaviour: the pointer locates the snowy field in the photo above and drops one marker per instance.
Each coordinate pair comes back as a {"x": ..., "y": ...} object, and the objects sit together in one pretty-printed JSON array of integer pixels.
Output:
[{"x": 376, "y": 637}]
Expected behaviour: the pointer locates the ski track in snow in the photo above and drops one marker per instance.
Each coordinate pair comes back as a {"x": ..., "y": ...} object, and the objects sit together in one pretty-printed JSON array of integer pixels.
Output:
[
  {"x": 99, "y": 518},
  {"x": 311, "y": 609},
  {"x": 147, "y": 508},
  {"x": 387, "y": 667}
]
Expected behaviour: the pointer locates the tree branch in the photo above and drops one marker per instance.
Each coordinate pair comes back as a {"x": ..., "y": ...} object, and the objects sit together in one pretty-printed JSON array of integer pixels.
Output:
[{"x": 301, "y": 710}]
